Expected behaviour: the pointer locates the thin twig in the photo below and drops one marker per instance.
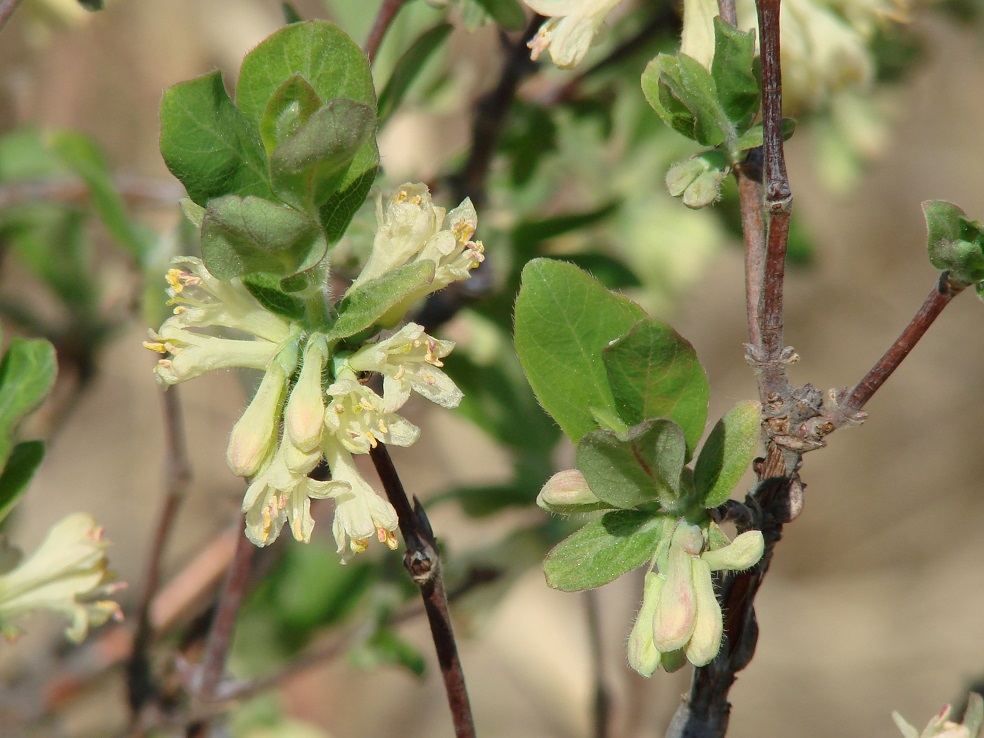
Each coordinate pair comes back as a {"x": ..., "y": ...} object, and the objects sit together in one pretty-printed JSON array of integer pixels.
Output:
[
  {"x": 602, "y": 696},
  {"x": 384, "y": 19},
  {"x": 938, "y": 298},
  {"x": 134, "y": 190},
  {"x": 7, "y": 8},
  {"x": 224, "y": 620},
  {"x": 424, "y": 564},
  {"x": 749, "y": 177},
  {"x": 177, "y": 471}
]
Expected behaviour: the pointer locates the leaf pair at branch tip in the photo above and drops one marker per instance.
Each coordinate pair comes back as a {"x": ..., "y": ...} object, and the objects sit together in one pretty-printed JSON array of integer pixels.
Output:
[{"x": 956, "y": 243}]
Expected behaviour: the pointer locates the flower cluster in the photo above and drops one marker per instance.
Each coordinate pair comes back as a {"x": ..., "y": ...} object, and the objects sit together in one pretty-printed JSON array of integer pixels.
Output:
[
  {"x": 312, "y": 409},
  {"x": 67, "y": 575},
  {"x": 680, "y": 618}
]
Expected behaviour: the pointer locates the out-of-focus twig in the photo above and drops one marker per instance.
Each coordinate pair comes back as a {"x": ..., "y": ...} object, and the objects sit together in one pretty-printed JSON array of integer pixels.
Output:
[{"x": 384, "y": 19}]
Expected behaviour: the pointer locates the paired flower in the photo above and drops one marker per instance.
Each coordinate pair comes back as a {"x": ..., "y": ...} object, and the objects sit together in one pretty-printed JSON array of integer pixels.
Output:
[
  {"x": 942, "y": 727},
  {"x": 570, "y": 29},
  {"x": 66, "y": 575},
  {"x": 680, "y": 615}
]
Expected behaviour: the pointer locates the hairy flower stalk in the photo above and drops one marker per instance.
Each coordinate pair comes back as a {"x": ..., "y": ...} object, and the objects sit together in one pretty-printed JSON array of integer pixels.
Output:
[
  {"x": 311, "y": 409},
  {"x": 66, "y": 575}
]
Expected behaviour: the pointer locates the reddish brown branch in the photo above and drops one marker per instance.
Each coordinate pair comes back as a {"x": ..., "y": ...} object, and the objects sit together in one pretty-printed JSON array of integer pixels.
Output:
[{"x": 384, "y": 19}]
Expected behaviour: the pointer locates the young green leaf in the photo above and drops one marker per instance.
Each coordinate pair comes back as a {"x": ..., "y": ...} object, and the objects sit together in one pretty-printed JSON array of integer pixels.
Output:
[
  {"x": 564, "y": 318},
  {"x": 727, "y": 453},
  {"x": 27, "y": 374},
  {"x": 604, "y": 549},
  {"x": 365, "y": 306},
  {"x": 956, "y": 243},
  {"x": 627, "y": 470},
  {"x": 654, "y": 373},
  {"x": 733, "y": 70},
  {"x": 306, "y": 167},
  {"x": 408, "y": 68},
  {"x": 683, "y": 94},
  {"x": 246, "y": 235},
  {"x": 335, "y": 67},
  {"x": 208, "y": 144},
  {"x": 267, "y": 289},
  {"x": 17, "y": 473},
  {"x": 288, "y": 109}
]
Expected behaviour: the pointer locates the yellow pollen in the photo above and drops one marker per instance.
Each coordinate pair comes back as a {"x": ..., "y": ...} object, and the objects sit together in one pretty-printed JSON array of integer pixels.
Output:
[
  {"x": 372, "y": 439},
  {"x": 387, "y": 537},
  {"x": 365, "y": 404},
  {"x": 381, "y": 424},
  {"x": 158, "y": 347},
  {"x": 173, "y": 278},
  {"x": 358, "y": 545}
]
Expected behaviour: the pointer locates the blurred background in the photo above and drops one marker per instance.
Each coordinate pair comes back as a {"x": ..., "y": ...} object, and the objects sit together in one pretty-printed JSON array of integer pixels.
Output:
[{"x": 875, "y": 600}]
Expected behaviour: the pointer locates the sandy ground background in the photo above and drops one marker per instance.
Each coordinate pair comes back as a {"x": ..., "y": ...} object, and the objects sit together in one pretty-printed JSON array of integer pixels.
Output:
[{"x": 875, "y": 601}]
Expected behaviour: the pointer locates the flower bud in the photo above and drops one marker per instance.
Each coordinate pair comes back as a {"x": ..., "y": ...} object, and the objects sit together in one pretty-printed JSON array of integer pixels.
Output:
[
  {"x": 567, "y": 493},
  {"x": 705, "y": 642},
  {"x": 644, "y": 658},
  {"x": 676, "y": 609},
  {"x": 304, "y": 416},
  {"x": 742, "y": 553},
  {"x": 255, "y": 434}
]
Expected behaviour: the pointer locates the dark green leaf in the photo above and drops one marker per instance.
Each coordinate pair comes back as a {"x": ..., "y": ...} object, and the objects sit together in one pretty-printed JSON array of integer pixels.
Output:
[
  {"x": 654, "y": 373},
  {"x": 289, "y": 108},
  {"x": 266, "y": 288},
  {"x": 564, "y": 318},
  {"x": 604, "y": 550},
  {"x": 208, "y": 144},
  {"x": 366, "y": 305},
  {"x": 727, "y": 453},
  {"x": 23, "y": 462},
  {"x": 683, "y": 93},
  {"x": 290, "y": 13},
  {"x": 81, "y": 155},
  {"x": 631, "y": 469},
  {"x": 246, "y": 235},
  {"x": 733, "y": 73},
  {"x": 27, "y": 374},
  {"x": 308, "y": 167},
  {"x": 409, "y": 67}
]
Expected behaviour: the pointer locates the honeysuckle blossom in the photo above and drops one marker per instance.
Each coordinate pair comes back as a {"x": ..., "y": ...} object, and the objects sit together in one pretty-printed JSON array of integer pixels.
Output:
[
  {"x": 358, "y": 420},
  {"x": 360, "y": 513},
  {"x": 66, "y": 575},
  {"x": 942, "y": 727},
  {"x": 280, "y": 494},
  {"x": 570, "y": 28},
  {"x": 680, "y": 614},
  {"x": 411, "y": 229},
  {"x": 697, "y": 38},
  {"x": 254, "y": 435},
  {"x": 409, "y": 360}
]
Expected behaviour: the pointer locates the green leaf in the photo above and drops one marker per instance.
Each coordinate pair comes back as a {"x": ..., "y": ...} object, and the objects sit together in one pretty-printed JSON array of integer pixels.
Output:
[
  {"x": 307, "y": 167},
  {"x": 27, "y": 374},
  {"x": 208, "y": 144},
  {"x": 266, "y": 288},
  {"x": 564, "y": 318},
  {"x": 335, "y": 67},
  {"x": 363, "y": 307},
  {"x": 727, "y": 453},
  {"x": 654, "y": 373},
  {"x": 81, "y": 155},
  {"x": 956, "y": 243},
  {"x": 604, "y": 550},
  {"x": 387, "y": 647},
  {"x": 23, "y": 462},
  {"x": 246, "y": 235},
  {"x": 631, "y": 469},
  {"x": 507, "y": 13},
  {"x": 290, "y": 13},
  {"x": 289, "y": 108},
  {"x": 733, "y": 72},
  {"x": 408, "y": 67},
  {"x": 683, "y": 94}
]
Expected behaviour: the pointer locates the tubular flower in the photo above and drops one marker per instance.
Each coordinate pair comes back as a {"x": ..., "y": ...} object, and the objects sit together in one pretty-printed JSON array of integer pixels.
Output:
[
  {"x": 409, "y": 360},
  {"x": 570, "y": 29},
  {"x": 360, "y": 513},
  {"x": 255, "y": 433},
  {"x": 679, "y": 605},
  {"x": 202, "y": 301},
  {"x": 67, "y": 575},
  {"x": 280, "y": 494},
  {"x": 357, "y": 419}
]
